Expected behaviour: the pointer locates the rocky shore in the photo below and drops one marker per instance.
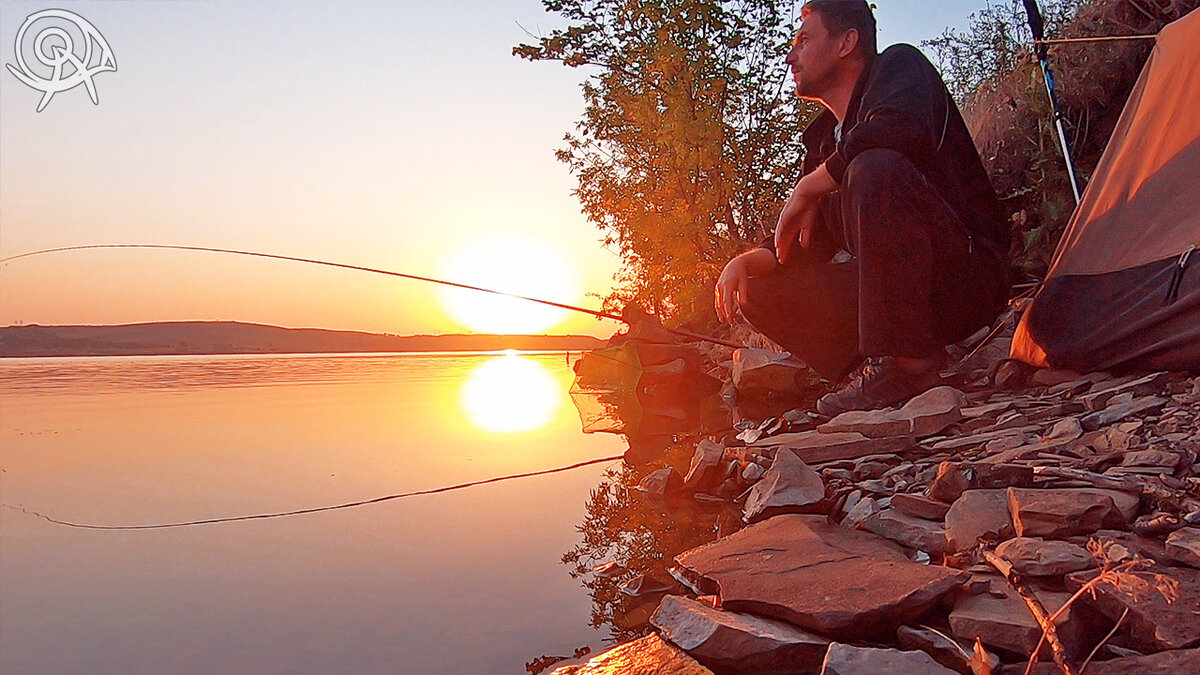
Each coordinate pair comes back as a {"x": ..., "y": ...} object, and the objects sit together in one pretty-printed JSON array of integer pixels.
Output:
[{"x": 1009, "y": 513}]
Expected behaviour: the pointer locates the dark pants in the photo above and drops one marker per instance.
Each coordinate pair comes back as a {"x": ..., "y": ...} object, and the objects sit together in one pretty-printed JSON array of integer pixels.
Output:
[{"x": 917, "y": 281}]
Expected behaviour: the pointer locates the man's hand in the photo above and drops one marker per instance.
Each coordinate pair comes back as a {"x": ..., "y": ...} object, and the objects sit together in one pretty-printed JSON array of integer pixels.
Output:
[
  {"x": 731, "y": 289},
  {"x": 802, "y": 212}
]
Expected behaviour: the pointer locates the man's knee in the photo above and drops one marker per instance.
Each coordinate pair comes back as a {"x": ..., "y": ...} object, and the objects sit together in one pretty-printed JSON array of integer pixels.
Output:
[{"x": 878, "y": 169}]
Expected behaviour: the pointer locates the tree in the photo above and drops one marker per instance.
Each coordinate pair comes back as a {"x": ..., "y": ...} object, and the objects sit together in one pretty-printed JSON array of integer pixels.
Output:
[{"x": 690, "y": 137}]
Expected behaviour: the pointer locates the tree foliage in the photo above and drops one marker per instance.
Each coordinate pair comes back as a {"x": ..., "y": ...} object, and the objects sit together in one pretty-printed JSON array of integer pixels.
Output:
[
  {"x": 690, "y": 136},
  {"x": 996, "y": 42}
]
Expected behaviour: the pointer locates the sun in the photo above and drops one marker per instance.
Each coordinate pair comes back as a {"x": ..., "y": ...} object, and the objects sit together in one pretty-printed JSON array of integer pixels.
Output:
[
  {"x": 512, "y": 264},
  {"x": 510, "y": 393}
]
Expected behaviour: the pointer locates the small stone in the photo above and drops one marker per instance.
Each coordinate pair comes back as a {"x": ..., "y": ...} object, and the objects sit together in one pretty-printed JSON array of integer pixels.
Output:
[
  {"x": 743, "y": 643},
  {"x": 856, "y": 515},
  {"x": 1063, "y": 432},
  {"x": 1022, "y": 434},
  {"x": 920, "y": 507},
  {"x": 752, "y": 472},
  {"x": 705, "y": 472},
  {"x": 661, "y": 482},
  {"x": 978, "y": 515},
  {"x": 953, "y": 478},
  {"x": 1039, "y": 558},
  {"x": 923, "y": 535},
  {"x": 847, "y": 660},
  {"x": 868, "y": 470},
  {"x": 1184, "y": 546},
  {"x": 789, "y": 485},
  {"x": 1059, "y": 513}
]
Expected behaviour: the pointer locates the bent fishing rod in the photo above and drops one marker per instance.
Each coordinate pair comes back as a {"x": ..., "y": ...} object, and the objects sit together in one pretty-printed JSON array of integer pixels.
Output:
[{"x": 374, "y": 270}]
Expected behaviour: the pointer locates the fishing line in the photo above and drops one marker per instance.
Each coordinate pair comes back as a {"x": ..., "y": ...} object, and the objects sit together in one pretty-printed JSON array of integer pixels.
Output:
[
  {"x": 318, "y": 509},
  {"x": 374, "y": 270}
]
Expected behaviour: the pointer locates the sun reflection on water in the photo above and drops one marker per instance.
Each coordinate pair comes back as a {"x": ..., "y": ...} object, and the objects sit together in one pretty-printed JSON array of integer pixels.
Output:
[{"x": 510, "y": 393}]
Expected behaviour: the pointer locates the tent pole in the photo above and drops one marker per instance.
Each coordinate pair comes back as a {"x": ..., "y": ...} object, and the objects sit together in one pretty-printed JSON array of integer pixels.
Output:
[{"x": 1038, "y": 26}]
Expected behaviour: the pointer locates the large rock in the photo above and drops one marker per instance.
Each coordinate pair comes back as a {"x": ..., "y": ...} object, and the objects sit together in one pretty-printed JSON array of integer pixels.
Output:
[
  {"x": 1006, "y": 623},
  {"x": 1039, "y": 558},
  {"x": 924, "y": 535},
  {"x": 1184, "y": 546},
  {"x": 650, "y": 654},
  {"x": 758, "y": 372},
  {"x": 1153, "y": 623},
  {"x": 1175, "y": 662},
  {"x": 817, "y": 576},
  {"x": 789, "y": 485},
  {"x": 924, "y": 415},
  {"x": 847, "y": 660},
  {"x": 978, "y": 515},
  {"x": 920, "y": 507},
  {"x": 705, "y": 471},
  {"x": 742, "y": 643},
  {"x": 815, "y": 447},
  {"x": 1058, "y": 513}
]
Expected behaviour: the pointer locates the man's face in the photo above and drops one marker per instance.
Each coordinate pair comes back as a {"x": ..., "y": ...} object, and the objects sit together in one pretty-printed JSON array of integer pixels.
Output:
[{"x": 813, "y": 58}]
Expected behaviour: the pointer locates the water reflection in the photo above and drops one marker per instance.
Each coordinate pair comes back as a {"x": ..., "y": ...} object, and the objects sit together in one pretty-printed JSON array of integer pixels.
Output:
[{"x": 510, "y": 393}]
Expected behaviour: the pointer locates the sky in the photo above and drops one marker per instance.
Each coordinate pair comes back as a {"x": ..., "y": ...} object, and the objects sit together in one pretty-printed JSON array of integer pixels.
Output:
[{"x": 397, "y": 135}]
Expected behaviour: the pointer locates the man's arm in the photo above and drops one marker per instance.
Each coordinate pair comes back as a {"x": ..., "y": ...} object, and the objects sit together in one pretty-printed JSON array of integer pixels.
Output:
[{"x": 802, "y": 212}]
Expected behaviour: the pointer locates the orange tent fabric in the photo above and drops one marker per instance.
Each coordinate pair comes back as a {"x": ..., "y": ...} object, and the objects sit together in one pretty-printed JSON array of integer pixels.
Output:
[{"x": 1123, "y": 290}]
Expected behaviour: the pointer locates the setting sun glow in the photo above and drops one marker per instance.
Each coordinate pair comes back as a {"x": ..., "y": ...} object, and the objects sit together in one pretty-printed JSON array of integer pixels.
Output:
[
  {"x": 511, "y": 264},
  {"x": 510, "y": 393}
]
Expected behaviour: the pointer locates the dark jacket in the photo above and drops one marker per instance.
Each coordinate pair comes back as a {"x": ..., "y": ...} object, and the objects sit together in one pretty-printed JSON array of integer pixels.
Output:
[{"x": 901, "y": 104}]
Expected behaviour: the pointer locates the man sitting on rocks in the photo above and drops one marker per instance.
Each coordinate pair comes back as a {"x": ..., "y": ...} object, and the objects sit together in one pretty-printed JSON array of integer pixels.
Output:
[{"x": 891, "y": 176}]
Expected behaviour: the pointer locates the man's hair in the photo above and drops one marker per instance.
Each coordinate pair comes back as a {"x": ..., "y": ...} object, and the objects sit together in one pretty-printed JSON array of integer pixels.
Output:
[{"x": 840, "y": 16}]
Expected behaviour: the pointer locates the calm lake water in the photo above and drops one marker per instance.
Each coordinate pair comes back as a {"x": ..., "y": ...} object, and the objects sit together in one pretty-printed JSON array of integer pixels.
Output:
[{"x": 461, "y": 582}]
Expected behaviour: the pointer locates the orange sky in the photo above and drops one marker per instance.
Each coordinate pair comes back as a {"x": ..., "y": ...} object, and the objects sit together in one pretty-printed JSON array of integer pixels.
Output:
[{"x": 399, "y": 135}]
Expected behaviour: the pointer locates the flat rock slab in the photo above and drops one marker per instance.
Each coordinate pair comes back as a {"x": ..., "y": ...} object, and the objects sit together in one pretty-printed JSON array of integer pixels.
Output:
[
  {"x": 758, "y": 371},
  {"x": 948, "y": 652},
  {"x": 815, "y": 447},
  {"x": 1184, "y": 546},
  {"x": 1040, "y": 558},
  {"x": 1005, "y": 622},
  {"x": 920, "y": 507},
  {"x": 650, "y": 654},
  {"x": 789, "y": 485},
  {"x": 1057, "y": 513},
  {"x": 978, "y": 515},
  {"x": 817, "y": 576},
  {"x": 735, "y": 642},
  {"x": 1175, "y": 662},
  {"x": 1153, "y": 623},
  {"x": 847, "y": 660},
  {"x": 924, "y": 415},
  {"x": 918, "y": 533}
]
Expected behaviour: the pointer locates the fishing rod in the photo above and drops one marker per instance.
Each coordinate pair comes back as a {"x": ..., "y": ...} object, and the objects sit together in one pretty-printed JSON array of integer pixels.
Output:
[
  {"x": 374, "y": 270},
  {"x": 1038, "y": 26}
]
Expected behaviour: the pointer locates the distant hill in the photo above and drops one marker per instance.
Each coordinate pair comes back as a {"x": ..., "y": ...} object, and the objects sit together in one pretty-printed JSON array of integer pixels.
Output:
[{"x": 232, "y": 337}]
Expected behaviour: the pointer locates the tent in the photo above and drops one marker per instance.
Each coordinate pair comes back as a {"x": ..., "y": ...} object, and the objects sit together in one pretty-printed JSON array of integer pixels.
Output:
[{"x": 1123, "y": 289}]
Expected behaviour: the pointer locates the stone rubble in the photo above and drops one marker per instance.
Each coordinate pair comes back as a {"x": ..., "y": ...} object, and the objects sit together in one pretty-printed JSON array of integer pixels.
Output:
[{"x": 865, "y": 552}]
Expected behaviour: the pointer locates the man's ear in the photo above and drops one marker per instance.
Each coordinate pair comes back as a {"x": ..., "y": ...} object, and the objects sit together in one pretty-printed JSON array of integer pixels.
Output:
[{"x": 848, "y": 43}]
